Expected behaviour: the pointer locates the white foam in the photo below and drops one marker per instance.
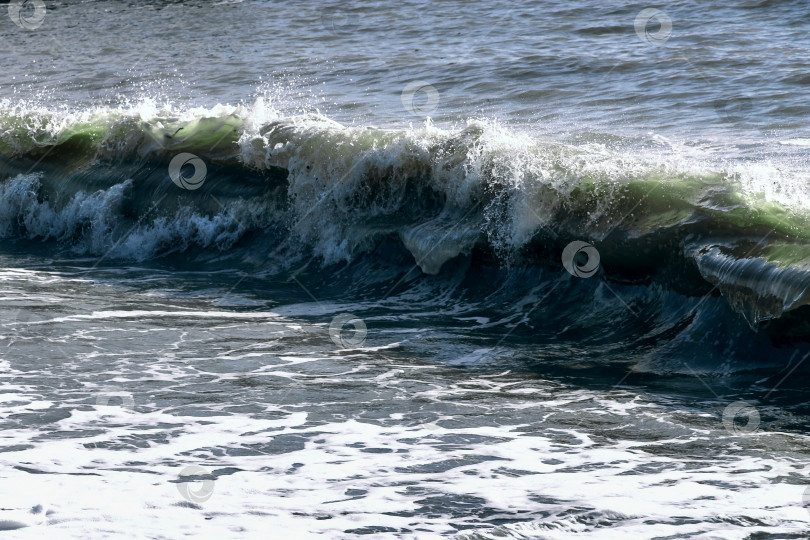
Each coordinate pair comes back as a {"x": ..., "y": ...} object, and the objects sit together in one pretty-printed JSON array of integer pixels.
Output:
[{"x": 548, "y": 456}]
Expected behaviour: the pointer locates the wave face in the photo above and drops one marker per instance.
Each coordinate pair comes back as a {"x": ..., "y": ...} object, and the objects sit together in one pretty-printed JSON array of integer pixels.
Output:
[{"x": 682, "y": 244}]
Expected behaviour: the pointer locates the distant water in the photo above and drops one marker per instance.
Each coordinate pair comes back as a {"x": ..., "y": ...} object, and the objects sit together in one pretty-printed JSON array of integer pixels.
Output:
[{"x": 413, "y": 270}]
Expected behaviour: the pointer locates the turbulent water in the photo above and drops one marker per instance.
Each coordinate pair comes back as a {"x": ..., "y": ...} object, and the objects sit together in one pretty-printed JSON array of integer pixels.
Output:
[{"x": 520, "y": 270}]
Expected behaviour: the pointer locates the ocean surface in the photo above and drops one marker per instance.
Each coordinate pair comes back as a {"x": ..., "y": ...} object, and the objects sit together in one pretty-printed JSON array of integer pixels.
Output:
[{"x": 448, "y": 269}]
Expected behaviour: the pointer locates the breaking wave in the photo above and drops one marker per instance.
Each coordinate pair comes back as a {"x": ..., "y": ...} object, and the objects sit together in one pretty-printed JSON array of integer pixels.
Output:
[{"x": 279, "y": 191}]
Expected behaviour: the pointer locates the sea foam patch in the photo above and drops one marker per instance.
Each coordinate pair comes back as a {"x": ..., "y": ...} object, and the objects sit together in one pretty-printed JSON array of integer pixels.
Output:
[{"x": 562, "y": 461}]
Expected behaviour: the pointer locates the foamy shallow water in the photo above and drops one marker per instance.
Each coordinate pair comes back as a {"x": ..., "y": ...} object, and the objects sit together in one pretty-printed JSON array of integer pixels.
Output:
[{"x": 275, "y": 429}]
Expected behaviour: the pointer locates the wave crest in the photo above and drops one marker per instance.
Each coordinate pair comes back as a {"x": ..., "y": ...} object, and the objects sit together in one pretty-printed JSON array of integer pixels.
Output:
[{"x": 100, "y": 184}]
